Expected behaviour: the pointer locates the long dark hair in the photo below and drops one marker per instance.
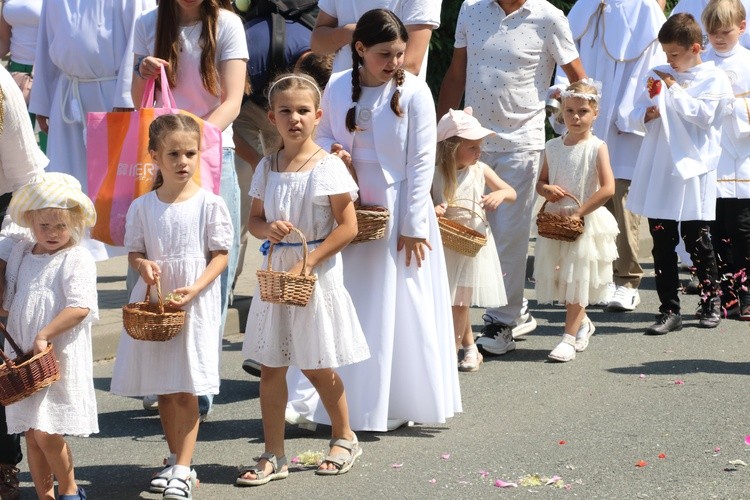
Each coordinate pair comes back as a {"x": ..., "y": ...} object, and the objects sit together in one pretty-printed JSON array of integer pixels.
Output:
[
  {"x": 167, "y": 44},
  {"x": 374, "y": 27},
  {"x": 164, "y": 125}
]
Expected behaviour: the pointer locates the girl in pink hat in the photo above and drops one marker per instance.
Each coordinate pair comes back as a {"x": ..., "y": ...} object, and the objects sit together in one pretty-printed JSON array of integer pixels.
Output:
[{"x": 459, "y": 192}]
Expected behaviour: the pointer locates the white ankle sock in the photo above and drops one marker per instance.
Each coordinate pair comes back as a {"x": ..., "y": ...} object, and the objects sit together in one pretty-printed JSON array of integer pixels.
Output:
[
  {"x": 181, "y": 471},
  {"x": 469, "y": 349}
]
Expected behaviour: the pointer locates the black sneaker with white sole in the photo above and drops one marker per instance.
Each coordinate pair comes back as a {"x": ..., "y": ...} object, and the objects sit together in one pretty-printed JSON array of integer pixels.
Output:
[
  {"x": 252, "y": 367},
  {"x": 496, "y": 338}
]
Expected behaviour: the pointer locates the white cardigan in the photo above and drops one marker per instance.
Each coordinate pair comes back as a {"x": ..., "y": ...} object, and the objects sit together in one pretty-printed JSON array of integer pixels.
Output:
[{"x": 406, "y": 144}]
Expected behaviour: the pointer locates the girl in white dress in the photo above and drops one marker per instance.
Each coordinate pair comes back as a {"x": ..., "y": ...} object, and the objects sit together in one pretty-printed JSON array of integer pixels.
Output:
[
  {"x": 303, "y": 187},
  {"x": 180, "y": 234},
  {"x": 50, "y": 297},
  {"x": 384, "y": 119},
  {"x": 576, "y": 273},
  {"x": 460, "y": 179}
]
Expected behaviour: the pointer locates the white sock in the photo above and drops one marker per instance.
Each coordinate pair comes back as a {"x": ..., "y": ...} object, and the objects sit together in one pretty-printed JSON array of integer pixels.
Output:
[
  {"x": 181, "y": 471},
  {"x": 468, "y": 349}
]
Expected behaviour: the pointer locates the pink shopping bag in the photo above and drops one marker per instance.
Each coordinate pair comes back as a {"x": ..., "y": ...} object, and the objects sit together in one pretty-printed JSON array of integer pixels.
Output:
[{"x": 120, "y": 168}]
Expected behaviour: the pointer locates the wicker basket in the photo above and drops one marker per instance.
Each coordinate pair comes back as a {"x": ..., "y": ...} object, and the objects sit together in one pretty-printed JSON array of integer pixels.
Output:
[
  {"x": 461, "y": 238},
  {"x": 559, "y": 227},
  {"x": 280, "y": 287},
  {"x": 371, "y": 222},
  {"x": 28, "y": 373},
  {"x": 154, "y": 322}
]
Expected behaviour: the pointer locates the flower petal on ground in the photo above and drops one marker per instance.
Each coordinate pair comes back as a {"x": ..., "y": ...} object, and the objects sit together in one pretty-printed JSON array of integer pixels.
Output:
[
  {"x": 397, "y": 466},
  {"x": 737, "y": 462},
  {"x": 484, "y": 473},
  {"x": 641, "y": 463},
  {"x": 445, "y": 456},
  {"x": 499, "y": 483},
  {"x": 432, "y": 481},
  {"x": 662, "y": 455},
  {"x": 747, "y": 440},
  {"x": 679, "y": 382}
]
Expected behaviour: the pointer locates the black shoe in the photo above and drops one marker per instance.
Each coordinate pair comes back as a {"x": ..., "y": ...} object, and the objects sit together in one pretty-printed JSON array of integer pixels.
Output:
[
  {"x": 665, "y": 323},
  {"x": 692, "y": 287},
  {"x": 710, "y": 315},
  {"x": 252, "y": 367}
]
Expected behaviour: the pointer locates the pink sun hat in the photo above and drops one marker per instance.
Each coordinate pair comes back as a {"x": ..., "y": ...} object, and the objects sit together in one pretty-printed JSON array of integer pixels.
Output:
[{"x": 462, "y": 124}]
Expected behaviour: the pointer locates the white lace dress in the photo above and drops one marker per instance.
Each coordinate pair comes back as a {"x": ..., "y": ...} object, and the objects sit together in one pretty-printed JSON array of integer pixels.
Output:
[
  {"x": 38, "y": 288},
  {"x": 179, "y": 237},
  {"x": 326, "y": 332},
  {"x": 474, "y": 281},
  {"x": 576, "y": 272}
]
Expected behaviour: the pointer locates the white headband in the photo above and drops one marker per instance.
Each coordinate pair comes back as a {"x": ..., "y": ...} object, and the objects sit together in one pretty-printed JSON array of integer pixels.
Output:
[
  {"x": 585, "y": 95},
  {"x": 289, "y": 77}
]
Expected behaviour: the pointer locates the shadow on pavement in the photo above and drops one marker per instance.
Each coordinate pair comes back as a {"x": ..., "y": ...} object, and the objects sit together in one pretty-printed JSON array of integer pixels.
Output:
[{"x": 685, "y": 366}]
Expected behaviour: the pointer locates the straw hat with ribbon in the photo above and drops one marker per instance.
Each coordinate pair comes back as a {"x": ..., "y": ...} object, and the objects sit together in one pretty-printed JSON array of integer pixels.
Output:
[{"x": 50, "y": 190}]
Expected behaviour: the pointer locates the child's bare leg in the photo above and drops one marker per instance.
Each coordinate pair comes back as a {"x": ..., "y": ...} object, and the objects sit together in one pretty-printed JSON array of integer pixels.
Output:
[
  {"x": 273, "y": 397},
  {"x": 460, "y": 319},
  {"x": 467, "y": 339},
  {"x": 331, "y": 391},
  {"x": 179, "y": 418},
  {"x": 57, "y": 454},
  {"x": 41, "y": 473},
  {"x": 574, "y": 314}
]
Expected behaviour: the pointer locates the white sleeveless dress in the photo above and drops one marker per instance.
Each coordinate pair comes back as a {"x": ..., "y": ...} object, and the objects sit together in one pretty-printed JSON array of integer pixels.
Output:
[
  {"x": 576, "y": 272},
  {"x": 474, "y": 281}
]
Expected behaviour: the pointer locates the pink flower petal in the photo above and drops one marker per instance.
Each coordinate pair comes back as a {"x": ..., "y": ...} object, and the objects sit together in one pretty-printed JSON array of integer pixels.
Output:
[
  {"x": 499, "y": 483},
  {"x": 679, "y": 382},
  {"x": 484, "y": 473},
  {"x": 717, "y": 449},
  {"x": 445, "y": 456},
  {"x": 747, "y": 440},
  {"x": 397, "y": 466},
  {"x": 295, "y": 460},
  {"x": 432, "y": 481},
  {"x": 552, "y": 480}
]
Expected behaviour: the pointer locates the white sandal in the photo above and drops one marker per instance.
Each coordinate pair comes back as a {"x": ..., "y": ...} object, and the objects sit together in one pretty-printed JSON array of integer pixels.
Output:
[
  {"x": 260, "y": 475},
  {"x": 585, "y": 332},
  {"x": 471, "y": 361},
  {"x": 565, "y": 350}
]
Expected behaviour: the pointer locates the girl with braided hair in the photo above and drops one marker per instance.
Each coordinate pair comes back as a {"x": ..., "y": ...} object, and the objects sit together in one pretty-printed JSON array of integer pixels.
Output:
[{"x": 381, "y": 120}]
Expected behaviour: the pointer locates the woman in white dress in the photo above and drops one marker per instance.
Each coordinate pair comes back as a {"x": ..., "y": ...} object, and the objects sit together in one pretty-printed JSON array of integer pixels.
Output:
[
  {"x": 398, "y": 284},
  {"x": 337, "y": 19}
]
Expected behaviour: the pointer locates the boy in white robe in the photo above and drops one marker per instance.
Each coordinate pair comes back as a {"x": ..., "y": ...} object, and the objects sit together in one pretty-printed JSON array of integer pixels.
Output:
[
  {"x": 674, "y": 181},
  {"x": 724, "y": 21}
]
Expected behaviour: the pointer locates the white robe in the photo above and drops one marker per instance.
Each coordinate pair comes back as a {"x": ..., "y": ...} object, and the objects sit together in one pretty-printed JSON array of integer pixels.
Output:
[
  {"x": 734, "y": 164},
  {"x": 675, "y": 175},
  {"x": 617, "y": 46},
  {"x": 81, "y": 47}
]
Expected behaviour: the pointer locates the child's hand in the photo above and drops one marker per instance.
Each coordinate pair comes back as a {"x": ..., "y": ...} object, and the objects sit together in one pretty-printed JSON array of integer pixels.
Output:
[
  {"x": 492, "y": 200},
  {"x": 40, "y": 345},
  {"x": 413, "y": 246},
  {"x": 553, "y": 193},
  {"x": 149, "y": 271},
  {"x": 339, "y": 151},
  {"x": 278, "y": 229},
  {"x": 440, "y": 209},
  {"x": 297, "y": 268},
  {"x": 652, "y": 113},
  {"x": 666, "y": 77},
  {"x": 179, "y": 297}
]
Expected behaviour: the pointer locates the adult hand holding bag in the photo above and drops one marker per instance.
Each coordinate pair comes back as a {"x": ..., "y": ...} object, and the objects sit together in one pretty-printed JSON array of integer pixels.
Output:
[{"x": 120, "y": 168}]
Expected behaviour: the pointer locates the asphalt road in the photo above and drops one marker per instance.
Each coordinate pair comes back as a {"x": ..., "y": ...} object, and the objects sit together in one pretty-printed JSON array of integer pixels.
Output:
[{"x": 628, "y": 400}]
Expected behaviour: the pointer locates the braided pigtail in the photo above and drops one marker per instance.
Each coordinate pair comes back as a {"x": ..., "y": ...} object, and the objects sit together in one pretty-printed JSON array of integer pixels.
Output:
[
  {"x": 395, "y": 105},
  {"x": 351, "y": 119}
]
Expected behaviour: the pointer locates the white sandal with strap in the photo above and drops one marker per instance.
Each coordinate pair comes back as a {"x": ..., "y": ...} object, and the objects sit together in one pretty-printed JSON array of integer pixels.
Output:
[
  {"x": 342, "y": 462},
  {"x": 260, "y": 475}
]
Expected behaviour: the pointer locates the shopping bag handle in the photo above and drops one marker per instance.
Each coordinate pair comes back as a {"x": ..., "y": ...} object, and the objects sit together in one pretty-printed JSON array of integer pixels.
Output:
[{"x": 167, "y": 99}]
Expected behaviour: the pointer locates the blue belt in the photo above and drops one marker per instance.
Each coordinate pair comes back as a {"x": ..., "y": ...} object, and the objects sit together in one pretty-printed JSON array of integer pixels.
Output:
[{"x": 267, "y": 245}]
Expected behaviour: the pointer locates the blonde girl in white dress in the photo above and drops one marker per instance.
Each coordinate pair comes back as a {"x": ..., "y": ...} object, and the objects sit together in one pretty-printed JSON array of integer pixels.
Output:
[
  {"x": 50, "y": 297},
  {"x": 460, "y": 180},
  {"x": 180, "y": 234},
  {"x": 304, "y": 187},
  {"x": 576, "y": 273}
]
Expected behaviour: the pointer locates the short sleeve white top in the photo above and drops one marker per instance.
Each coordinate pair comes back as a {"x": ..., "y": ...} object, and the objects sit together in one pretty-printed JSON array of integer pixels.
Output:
[
  {"x": 510, "y": 63},
  {"x": 409, "y": 11},
  {"x": 189, "y": 92},
  {"x": 23, "y": 18}
]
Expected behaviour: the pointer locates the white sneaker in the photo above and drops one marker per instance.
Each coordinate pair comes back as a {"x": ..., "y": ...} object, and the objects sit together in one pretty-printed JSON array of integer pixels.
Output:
[
  {"x": 584, "y": 333},
  {"x": 292, "y": 417},
  {"x": 565, "y": 350},
  {"x": 151, "y": 402},
  {"x": 524, "y": 324},
  {"x": 624, "y": 299},
  {"x": 611, "y": 289}
]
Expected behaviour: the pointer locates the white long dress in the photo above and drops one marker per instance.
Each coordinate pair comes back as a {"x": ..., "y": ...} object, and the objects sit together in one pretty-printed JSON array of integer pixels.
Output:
[
  {"x": 38, "y": 288},
  {"x": 405, "y": 311},
  {"x": 326, "y": 332},
  {"x": 474, "y": 281},
  {"x": 178, "y": 237},
  {"x": 576, "y": 272}
]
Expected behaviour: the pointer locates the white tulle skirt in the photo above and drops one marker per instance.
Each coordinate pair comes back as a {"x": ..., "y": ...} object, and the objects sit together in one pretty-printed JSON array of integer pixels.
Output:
[
  {"x": 476, "y": 281},
  {"x": 577, "y": 272}
]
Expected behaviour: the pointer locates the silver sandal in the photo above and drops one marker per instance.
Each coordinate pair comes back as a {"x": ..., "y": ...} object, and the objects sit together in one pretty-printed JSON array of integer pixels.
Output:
[
  {"x": 341, "y": 462},
  {"x": 260, "y": 476}
]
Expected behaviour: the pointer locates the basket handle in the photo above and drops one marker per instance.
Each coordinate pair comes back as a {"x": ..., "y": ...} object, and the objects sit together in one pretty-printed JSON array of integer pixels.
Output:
[
  {"x": 158, "y": 295},
  {"x": 13, "y": 344},
  {"x": 304, "y": 251},
  {"x": 566, "y": 194},
  {"x": 453, "y": 205}
]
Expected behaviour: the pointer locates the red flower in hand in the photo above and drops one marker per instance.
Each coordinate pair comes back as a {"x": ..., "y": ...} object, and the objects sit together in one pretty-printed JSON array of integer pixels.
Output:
[{"x": 654, "y": 87}]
